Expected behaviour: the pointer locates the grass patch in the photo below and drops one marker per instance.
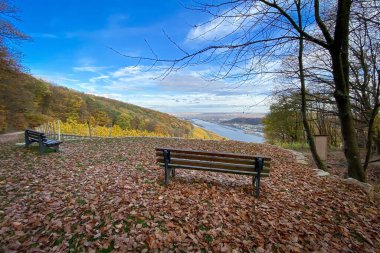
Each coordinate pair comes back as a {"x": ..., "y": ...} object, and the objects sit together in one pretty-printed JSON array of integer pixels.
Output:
[
  {"x": 203, "y": 228},
  {"x": 74, "y": 243},
  {"x": 109, "y": 249},
  {"x": 358, "y": 237},
  {"x": 100, "y": 224},
  {"x": 140, "y": 167},
  {"x": 60, "y": 239},
  {"x": 293, "y": 145},
  {"x": 161, "y": 226},
  {"x": 127, "y": 226},
  {"x": 208, "y": 238},
  {"x": 81, "y": 201},
  {"x": 36, "y": 149},
  {"x": 142, "y": 222}
]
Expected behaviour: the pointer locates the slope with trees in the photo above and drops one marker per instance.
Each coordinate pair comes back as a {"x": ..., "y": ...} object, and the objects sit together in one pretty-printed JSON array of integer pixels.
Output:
[{"x": 30, "y": 102}]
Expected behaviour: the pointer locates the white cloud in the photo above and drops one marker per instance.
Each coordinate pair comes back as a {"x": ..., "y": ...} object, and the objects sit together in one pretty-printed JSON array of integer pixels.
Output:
[
  {"x": 184, "y": 90},
  {"x": 213, "y": 30},
  {"x": 94, "y": 69},
  {"x": 98, "y": 78},
  {"x": 202, "y": 102},
  {"x": 56, "y": 78},
  {"x": 127, "y": 71},
  {"x": 44, "y": 35},
  {"x": 87, "y": 87},
  {"x": 224, "y": 23}
]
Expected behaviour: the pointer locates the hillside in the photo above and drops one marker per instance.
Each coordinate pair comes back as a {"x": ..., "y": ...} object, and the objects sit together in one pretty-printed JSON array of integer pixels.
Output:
[
  {"x": 28, "y": 102},
  {"x": 248, "y": 121}
]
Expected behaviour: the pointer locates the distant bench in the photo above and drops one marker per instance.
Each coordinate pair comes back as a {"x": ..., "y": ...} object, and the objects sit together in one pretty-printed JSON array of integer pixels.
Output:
[
  {"x": 34, "y": 136},
  {"x": 253, "y": 165}
]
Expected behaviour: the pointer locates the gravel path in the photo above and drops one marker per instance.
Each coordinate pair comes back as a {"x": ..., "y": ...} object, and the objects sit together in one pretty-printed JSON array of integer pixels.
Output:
[{"x": 10, "y": 137}]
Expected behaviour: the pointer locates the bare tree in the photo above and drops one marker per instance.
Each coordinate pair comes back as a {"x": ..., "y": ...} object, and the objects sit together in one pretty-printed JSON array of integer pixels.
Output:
[
  {"x": 9, "y": 34},
  {"x": 365, "y": 67},
  {"x": 261, "y": 31},
  {"x": 310, "y": 139}
]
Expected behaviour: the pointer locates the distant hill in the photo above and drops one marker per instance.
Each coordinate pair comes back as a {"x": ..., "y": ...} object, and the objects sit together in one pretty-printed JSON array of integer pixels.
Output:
[
  {"x": 248, "y": 121},
  {"x": 218, "y": 117},
  {"x": 27, "y": 102}
]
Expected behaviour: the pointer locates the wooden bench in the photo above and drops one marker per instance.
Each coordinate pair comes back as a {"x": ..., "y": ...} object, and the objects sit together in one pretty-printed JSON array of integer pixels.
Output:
[
  {"x": 34, "y": 136},
  {"x": 256, "y": 166}
]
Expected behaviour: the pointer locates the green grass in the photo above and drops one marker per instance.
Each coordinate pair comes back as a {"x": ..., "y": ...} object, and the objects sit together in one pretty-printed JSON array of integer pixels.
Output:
[
  {"x": 140, "y": 167},
  {"x": 109, "y": 249},
  {"x": 208, "y": 238},
  {"x": 142, "y": 222},
  {"x": 203, "y": 228}
]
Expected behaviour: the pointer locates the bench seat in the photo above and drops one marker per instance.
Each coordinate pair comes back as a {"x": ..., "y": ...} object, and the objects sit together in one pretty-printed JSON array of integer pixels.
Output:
[{"x": 257, "y": 166}]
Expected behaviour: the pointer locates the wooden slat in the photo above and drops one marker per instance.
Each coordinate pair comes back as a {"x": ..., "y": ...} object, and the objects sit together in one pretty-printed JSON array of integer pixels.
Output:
[
  {"x": 229, "y": 166},
  {"x": 230, "y": 160},
  {"x": 219, "y": 154},
  {"x": 208, "y": 163},
  {"x": 215, "y": 169},
  {"x": 34, "y": 135},
  {"x": 213, "y": 165}
]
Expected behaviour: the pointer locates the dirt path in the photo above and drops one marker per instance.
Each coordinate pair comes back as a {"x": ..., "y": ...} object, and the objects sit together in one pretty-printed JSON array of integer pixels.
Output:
[{"x": 10, "y": 137}]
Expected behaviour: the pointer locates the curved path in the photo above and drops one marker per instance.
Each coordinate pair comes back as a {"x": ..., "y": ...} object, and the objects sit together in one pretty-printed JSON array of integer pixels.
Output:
[{"x": 8, "y": 137}]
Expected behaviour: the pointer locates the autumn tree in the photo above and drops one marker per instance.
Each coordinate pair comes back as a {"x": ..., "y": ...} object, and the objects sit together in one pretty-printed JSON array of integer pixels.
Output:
[
  {"x": 259, "y": 34},
  {"x": 283, "y": 123}
]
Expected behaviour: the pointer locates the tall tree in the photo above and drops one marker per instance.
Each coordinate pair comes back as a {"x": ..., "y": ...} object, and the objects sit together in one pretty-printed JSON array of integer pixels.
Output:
[{"x": 301, "y": 74}]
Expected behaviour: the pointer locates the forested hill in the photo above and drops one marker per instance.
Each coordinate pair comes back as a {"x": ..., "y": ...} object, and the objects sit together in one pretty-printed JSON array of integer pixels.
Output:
[
  {"x": 28, "y": 102},
  {"x": 248, "y": 121}
]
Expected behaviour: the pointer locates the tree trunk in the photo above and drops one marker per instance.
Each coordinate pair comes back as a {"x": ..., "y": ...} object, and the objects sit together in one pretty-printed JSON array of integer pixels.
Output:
[
  {"x": 340, "y": 68},
  {"x": 89, "y": 128},
  {"x": 310, "y": 139},
  {"x": 351, "y": 150},
  {"x": 369, "y": 142}
]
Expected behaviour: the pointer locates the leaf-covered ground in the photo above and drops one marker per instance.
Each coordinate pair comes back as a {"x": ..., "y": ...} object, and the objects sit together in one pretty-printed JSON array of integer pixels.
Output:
[{"x": 107, "y": 195}]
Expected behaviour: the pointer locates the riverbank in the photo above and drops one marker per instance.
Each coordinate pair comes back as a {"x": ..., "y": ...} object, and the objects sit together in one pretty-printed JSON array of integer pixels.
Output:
[{"x": 228, "y": 132}]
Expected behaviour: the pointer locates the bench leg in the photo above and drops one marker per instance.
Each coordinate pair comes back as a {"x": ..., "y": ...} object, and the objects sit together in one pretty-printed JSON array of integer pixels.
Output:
[
  {"x": 256, "y": 185},
  {"x": 167, "y": 173},
  {"x": 173, "y": 172},
  {"x": 56, "y": 148},
  {"x": 166, "y": 154},
  {"x": 27, "y": 142},
  {"x": 41, "y": 148}
]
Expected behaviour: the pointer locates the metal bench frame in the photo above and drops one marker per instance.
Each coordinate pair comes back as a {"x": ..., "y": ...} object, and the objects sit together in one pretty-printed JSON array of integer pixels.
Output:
[{"x": 256, "y": 169}]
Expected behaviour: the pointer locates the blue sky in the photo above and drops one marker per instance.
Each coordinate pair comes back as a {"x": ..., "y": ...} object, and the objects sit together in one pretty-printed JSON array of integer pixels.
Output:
[{"x": 70, "y": 47}]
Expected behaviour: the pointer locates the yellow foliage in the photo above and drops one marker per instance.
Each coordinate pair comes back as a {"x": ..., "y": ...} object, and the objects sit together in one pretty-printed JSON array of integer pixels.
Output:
[
  {"x": 73, "y": 127},
  {"x": 81, "y": 129},
  {"x": 200, "y": 133}
]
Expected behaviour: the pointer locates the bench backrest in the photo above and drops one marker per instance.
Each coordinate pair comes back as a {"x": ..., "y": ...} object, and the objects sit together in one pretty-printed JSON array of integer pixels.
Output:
[
  {"x": 205, "y": 160},
  {"x": 34, "y": 135}
]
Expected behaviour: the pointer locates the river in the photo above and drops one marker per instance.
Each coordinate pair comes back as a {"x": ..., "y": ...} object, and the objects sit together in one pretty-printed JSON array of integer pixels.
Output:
[{"x": 228, "y": 132}]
